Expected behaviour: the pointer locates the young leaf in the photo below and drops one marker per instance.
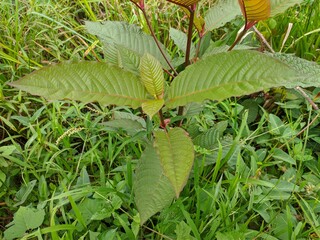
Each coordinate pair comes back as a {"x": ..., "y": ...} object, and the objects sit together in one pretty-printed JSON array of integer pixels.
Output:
[
  {"x": 180, "y": 39},
  {"x": 229, "y": 74},
  {"x": 86, "y": 82},
  {"x": 152, "y": 75},
  {"x": 127, "y": 35},
  {"x": 255, "y": 10},
  {"x": 151, "y": 107},
  {"x": 176, "y": 153},
  {"x": 151, "y": 187}
]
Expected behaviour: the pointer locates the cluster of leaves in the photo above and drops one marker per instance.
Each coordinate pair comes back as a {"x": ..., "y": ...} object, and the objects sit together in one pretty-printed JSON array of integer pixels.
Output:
[{"x": 134, "y": 77}]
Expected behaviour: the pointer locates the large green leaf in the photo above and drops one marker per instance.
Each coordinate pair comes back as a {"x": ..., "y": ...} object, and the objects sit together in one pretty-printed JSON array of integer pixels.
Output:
[
  {"x": 152, "y": 75},
  {"x": 224, "y": 11},
  {"x": 176, "y": 153},
  {"x": 127, "y": 35},
  {"x": 279, "y": 6},
  {"x": 220, "y": 13},
  {"x": 87, "y": 82},
  {"x": 310, "y": 70},
  {"x": 229, "y": 74},
  {"x": 151, "y": 187}
]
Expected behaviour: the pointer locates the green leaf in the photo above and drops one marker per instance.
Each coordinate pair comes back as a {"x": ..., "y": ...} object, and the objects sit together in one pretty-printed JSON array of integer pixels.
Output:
[
  {"x": 95, "y": 209},
  {"x": 279, "y": 154},
  {"x": 86, "y": 82},
  {"x": 24, "y": 219},
  {"x": 310, "y": 70},
  {"x": 220, "y": 13},
  {"x": 151, "y": 187},
  {"x": 2, "y": 178},
  {"x": 176, "y": 153},
  {"x": 152, "y": 75},
  {"x": 229, "y": 74},
  {"x": 130, "y": 126},
  {"x": 24, "y": 192},
  {"x": 224, "y": 11},
  {"x": 122, "y": 57},
  {"x": 276, "y": 126},
  {"x": 207, "y": 139},
  {"x": 255, "y": 10},
  {"x": 183, "y": 231},
  {"x": 279, "y": 6},
  {"x": 180, "y": 39},
  {"x": 127, "y": 35},
  {"x": 151, "y": 107},
  {"x": 84, "y": 178}
]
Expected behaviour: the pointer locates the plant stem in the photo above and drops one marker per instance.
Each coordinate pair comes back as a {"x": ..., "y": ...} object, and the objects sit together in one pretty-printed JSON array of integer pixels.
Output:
[
  {"x": 162, "y": 122},
  {"x": 189, "y": 41},
  {"x": 265, "y": 42},
  {"x": 239, "y": 37},
  {"x": 155, "y": 38}
]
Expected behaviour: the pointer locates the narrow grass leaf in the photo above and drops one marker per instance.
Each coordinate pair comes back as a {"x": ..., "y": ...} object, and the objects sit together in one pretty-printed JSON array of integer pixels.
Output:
[{"x": 176, "y": 153}]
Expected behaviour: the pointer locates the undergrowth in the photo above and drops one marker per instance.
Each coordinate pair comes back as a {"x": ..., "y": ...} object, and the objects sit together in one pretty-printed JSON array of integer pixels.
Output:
[{"x": 60, "y": 159}]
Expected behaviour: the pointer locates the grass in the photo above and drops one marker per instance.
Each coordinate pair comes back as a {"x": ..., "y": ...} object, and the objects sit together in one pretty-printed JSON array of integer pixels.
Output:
[{"x": 58, "y": 159}]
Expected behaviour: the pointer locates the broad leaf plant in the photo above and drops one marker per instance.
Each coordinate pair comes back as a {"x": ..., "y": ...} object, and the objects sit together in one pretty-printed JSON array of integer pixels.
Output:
[{"x": 140, "y": 73}]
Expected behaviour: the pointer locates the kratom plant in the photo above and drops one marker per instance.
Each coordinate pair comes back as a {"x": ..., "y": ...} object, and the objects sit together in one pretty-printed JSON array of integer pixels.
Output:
[{"x": 140, "y": 73}]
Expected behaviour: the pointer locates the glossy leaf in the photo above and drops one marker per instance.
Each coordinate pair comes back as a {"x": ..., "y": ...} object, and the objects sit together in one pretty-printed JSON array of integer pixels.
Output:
[
  {"x": 255, "y": 10},
  {"x": 151, "y": 107},
  {"x": 229, "y": 74},
  {"x": 176, "y": 153},
  {"x": 127, "y": 35},
  {"x": 151, "y": 187},
  {"x": 86, "y": 82},
  {"x": 152, "y": 75}
]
